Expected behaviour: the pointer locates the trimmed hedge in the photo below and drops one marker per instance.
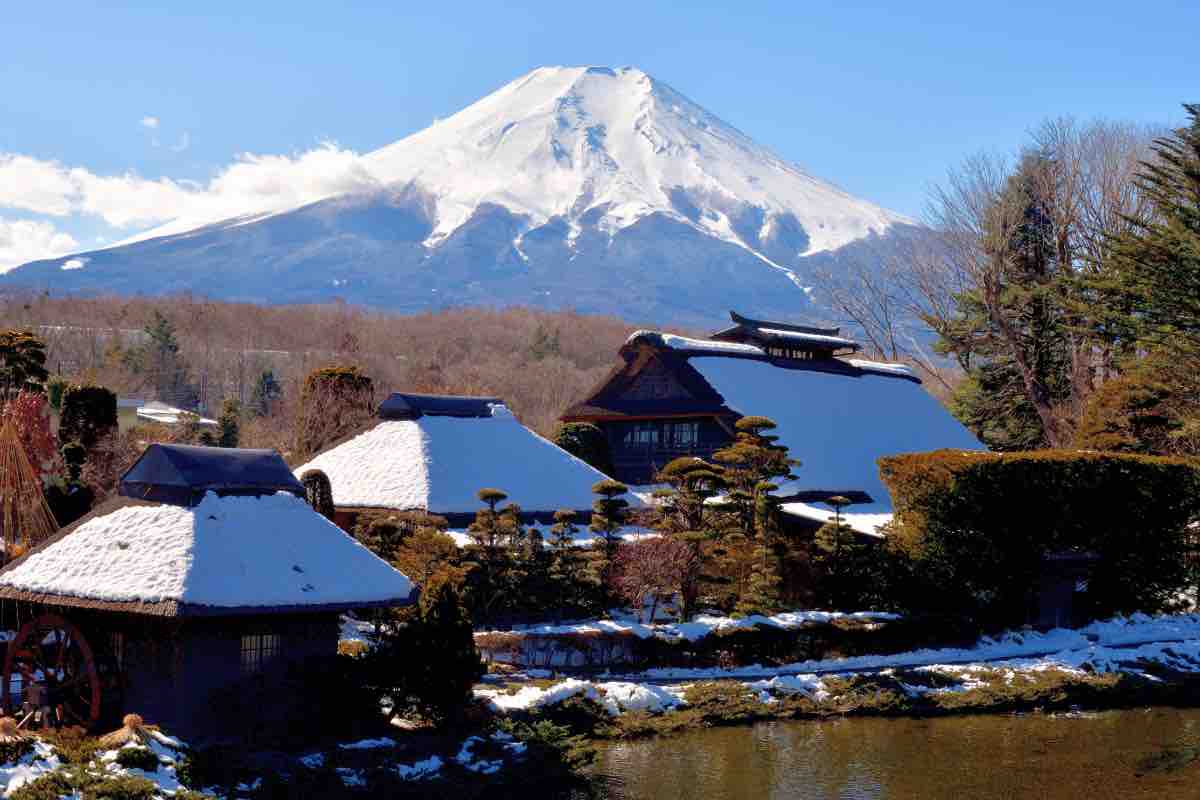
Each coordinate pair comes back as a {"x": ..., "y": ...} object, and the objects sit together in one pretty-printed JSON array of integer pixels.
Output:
[{"x": 972, "y": 530}]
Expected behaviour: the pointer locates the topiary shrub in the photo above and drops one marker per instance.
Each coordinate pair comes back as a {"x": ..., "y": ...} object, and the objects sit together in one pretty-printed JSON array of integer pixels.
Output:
[
  {"x": 335, "y": 401},
  {"x": 319, "y": 492},
  {"x": 89, "y": 413},
  {"x": 586, "y": 442},
  {"x": 974, "y": 529},
  {"x": 137, "y": 758}
]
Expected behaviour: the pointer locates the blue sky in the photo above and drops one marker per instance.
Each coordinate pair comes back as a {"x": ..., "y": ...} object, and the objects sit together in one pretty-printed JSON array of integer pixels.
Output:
[{"x": 879, "y": 98}]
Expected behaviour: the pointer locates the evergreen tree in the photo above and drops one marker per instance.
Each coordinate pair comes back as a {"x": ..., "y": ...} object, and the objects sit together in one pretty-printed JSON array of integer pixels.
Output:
[
  {"x": 22, "y": 363},
  {"x": 609, "y": 515},
  {"x": 161, "y": 359},
  {"x": 567, "y": 572},
  {"x": 429, "y": 666},
  {"x": 426, "y": 554},
  {"x": 751, "y": 464},
  {"x": 265, "y": 393},
  {"x": 586, "y": 442},
  {"x": 498, "y": 539},
  {"x": 89, "y": 415},
  {"x": 1013, "y": 326},
  {"x": 319, "y": 493},
  {"x": 1158, "y": 261},
  {"x": 683, "y": 512},
  {"x": 229, "y": 422}
]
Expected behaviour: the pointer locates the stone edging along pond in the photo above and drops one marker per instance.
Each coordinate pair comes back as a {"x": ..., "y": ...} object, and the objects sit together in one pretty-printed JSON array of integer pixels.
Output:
[{"x": 1124, "y": 662}]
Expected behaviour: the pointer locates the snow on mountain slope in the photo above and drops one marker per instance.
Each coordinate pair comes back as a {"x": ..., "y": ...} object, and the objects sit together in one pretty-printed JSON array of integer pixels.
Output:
[
  {"x": 600, "y": 189},
  {"x": 564, "y": 141}
]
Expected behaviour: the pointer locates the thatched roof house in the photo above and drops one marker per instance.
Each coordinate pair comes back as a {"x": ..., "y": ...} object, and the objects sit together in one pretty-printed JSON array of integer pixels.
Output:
[
  {"x": 210, "y": 559},
  {"x": 434, "y": 452},
  {"x": 674, "y": 395}
]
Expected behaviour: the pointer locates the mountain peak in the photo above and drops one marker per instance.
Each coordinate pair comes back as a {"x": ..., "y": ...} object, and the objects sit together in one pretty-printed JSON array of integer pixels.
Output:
[{"x": 563, "y": 170}]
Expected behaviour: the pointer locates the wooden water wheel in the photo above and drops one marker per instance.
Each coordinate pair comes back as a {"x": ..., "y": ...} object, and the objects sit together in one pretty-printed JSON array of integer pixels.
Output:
[{"x": 52, "y": 653}]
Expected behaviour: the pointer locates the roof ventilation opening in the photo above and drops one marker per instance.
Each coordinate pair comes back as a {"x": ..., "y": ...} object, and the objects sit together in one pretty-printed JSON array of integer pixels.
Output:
[
  {"x": 181, "y": 475},
  {"x": 400, "y": 406}
]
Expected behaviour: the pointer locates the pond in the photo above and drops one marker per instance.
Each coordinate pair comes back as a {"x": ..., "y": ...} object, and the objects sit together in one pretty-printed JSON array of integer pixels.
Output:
[{"x": 1142, "y": 753}]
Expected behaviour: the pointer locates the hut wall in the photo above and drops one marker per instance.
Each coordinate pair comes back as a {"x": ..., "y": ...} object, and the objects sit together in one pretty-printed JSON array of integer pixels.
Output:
[{"x": 194, "y": 682}]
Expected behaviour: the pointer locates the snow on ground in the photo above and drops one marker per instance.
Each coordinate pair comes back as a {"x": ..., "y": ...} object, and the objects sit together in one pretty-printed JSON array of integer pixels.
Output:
[
  {"x": 1120, "y": 644},
  {"x": 615, "y": 696},
  {"x": 43, "y": 759},
  {"x": 226, "y": 551},
  {"x": 705, "y": 624},
  {"x": 438, "y": 464}
]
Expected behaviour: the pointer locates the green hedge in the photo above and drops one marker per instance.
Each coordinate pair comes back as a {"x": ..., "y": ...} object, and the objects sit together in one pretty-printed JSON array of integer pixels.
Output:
[
  {"x": 972, "y": 529},
  {"x": 89, "y": 413}
]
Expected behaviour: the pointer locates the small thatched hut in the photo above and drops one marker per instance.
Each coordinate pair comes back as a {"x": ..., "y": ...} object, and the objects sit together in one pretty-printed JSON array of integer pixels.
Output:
[{"x": 195, "y": 589}]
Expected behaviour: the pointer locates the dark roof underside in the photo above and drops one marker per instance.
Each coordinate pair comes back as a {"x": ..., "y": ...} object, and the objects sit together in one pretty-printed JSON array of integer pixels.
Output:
[
  {"x": 181, "y": 474},
  {"x": 401, "y": 405}
]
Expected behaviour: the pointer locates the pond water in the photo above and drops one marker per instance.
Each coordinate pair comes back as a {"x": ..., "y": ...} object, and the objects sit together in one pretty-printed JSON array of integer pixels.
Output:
[{"x": 1115, "y": 754}]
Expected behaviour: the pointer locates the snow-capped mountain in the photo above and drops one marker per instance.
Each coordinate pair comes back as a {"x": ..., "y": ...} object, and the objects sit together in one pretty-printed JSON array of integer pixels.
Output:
[{"x": 592, "y": 188}]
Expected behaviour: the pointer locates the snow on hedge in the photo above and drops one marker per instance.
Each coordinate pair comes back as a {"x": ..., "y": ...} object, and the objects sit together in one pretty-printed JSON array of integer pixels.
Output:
[
  {"x": 582, "y": 538},
  {"x": 837, "y": 425},
  {"x": 705, "y": 624},
  {"x": 232, "y": 551},
  {"x": 439, "y": 463}
]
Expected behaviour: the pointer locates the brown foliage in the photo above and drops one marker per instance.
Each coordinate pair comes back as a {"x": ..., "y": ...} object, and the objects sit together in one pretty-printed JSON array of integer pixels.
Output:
[{"x": 228, "y": 345}]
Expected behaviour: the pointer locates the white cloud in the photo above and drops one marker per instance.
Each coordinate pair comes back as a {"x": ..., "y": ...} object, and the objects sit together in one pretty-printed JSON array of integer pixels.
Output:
[
  {"x": 252, "y": 184},
  {"x": 24, "y": 240},
  {"x": 74, "y": 263},
  {"x": 150, "y": 122}
]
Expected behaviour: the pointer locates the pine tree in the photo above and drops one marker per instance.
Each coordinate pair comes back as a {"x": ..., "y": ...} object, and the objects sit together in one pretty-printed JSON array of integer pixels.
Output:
[
  {"x": 229, "y": 423},
  {"x": 160, "y": 357},
  {"x": 498, "y": 539},
  {"x": 609, "y": 515},
  {"x": 683, "y": 512},
  {"x": 265, "y": 393},
  {"x": 566, "y": 565},
  {"x": 1158, "y": 262},
  {"x": 750, "y": 465}
]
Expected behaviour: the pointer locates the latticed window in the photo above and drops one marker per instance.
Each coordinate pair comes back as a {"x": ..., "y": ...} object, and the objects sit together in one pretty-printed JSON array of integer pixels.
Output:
[
  {"x": 685, "y": 434},
  {"x": 258, "y": 650}
]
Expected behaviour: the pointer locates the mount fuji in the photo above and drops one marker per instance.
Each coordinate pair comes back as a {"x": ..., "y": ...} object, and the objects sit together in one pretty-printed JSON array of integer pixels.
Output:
[{"x": 602, "y": 190}]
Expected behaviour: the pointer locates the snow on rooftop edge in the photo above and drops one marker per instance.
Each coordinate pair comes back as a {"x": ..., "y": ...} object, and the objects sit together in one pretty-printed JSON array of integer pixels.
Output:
[
  {"x": 229, "y": 552},
  {"x": 438, "y": 464},
  {"x": 865, "y": 523}
]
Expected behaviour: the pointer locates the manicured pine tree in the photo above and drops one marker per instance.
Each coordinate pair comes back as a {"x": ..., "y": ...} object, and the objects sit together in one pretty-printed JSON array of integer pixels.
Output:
[
  {"x": 750, "y": 465},
  {"x": 609, "y": 515},
  {"x": 683, "y": 513},
  {"x": 830, "y": 544},
  {"x": 566, "y": 563},
  {"x": 498, "y": 538}
]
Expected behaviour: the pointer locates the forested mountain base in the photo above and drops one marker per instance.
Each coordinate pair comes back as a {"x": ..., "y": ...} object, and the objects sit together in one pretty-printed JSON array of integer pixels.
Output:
[{"x": 194, "y": 352}]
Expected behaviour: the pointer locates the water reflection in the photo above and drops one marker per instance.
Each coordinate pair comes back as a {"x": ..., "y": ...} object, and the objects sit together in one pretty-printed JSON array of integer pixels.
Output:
[{"x": 1122, "y": 754}]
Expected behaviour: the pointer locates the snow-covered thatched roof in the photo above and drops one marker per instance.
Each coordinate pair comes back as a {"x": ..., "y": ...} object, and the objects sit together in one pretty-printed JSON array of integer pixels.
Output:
[
  {"x": 836, "y": 424},
  {"x": 438, "y": 462},
  {"x": 233, "y": 554}
]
